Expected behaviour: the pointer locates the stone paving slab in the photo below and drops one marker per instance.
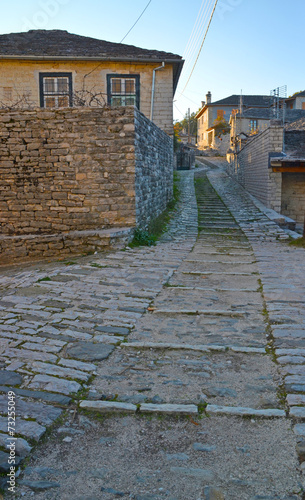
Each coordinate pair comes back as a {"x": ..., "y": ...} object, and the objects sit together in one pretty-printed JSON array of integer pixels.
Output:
[
  {"x": 187, "y": 377},
  {"x": 200, "y": 329}
]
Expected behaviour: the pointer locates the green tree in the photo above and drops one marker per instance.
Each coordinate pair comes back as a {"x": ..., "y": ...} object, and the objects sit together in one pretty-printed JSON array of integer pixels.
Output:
[
  {"x": 221, "y": 127},
  {"x": 183, "y": 124}
]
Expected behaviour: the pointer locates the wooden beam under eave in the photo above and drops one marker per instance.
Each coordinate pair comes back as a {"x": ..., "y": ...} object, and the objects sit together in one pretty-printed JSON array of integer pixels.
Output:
[{"x": 291, "y": 169}]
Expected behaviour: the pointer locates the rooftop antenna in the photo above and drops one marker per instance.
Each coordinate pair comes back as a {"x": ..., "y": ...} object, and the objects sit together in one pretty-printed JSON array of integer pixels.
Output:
[
  {"x": 279, "y": 95},
  {"x": 240, "y": 110}
]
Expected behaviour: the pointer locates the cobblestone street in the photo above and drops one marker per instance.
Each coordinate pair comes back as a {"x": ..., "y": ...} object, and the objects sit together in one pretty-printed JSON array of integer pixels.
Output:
[{"x": 169, "y": 372}]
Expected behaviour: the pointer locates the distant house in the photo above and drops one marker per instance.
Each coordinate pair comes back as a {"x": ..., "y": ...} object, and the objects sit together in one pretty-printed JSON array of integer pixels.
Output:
[
  {"x": 271, "y": 164},
  {"x": 186, "y": 138},
  {"x": 221, "y": 110},
  {"x": 54, "y": 68},
  {"x": 297, "y": 101},
  {"x": 245, "y": 125}
]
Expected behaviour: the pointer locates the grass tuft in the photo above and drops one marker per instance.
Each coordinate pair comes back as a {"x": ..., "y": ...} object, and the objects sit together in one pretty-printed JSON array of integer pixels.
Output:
[{"x": 300, "y": 242}]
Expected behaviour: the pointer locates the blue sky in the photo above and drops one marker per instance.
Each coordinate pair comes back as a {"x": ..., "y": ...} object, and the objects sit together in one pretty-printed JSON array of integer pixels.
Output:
[{"x": 252, "y": 45}]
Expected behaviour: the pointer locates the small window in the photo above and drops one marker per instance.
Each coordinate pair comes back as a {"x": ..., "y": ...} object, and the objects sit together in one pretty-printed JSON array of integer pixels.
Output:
[
  {"x": 55, "y": 90},
  {"x": 253, "y": 125},
  {"x": 220, "y": 114},
  {"x": 303, "y": 105},
  {"x": 123, "y": 90}
]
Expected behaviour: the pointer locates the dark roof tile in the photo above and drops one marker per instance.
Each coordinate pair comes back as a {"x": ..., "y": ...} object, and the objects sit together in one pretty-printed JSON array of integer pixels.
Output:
[
  {"x": 263, "y": 101},
  {"x": 48, "y": 43}
]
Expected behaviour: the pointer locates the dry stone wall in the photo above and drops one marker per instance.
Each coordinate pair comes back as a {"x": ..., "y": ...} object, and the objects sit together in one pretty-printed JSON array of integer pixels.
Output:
[
  {"x": 250, "y": 166},
  {"x": 154, "y": 158},
  {"x": 293, "y": 196},
  {"x": 68, "y": 174}
]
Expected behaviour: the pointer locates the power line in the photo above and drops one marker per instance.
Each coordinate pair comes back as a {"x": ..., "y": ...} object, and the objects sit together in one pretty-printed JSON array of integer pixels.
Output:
[
  {"x": 197, "y": 40},
  {"x": 196, "y": 35},
  {"x": 195, "y": 28},
  {"x": 178, "y": 110},
  {"x": 205, "y": 35},
  {"x": 136, "y": 21},
  {"x": 187, "y": 98}
]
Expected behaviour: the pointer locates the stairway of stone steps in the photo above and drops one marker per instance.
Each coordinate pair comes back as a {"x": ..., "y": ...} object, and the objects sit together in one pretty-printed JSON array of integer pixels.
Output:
[{"x": 203, "y": 345}]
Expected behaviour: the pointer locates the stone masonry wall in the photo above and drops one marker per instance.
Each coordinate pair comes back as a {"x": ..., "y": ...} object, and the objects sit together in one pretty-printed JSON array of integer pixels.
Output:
[
  {"x": 293, "y": 196},
  {"x": 295, "y": 140},
  {"x": 69, "y": 176},
  {"x": 250, "y": 167},
  {"x": 67, "y": 169},
  {"x": 154, "y": 169}
]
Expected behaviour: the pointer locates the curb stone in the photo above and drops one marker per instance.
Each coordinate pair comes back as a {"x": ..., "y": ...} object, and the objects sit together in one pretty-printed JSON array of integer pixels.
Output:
[{"x": 179, "y": 409}]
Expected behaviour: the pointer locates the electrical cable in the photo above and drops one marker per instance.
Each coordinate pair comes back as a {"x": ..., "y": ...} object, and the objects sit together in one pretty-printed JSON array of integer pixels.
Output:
[
  {"x": 205, "y": 35},
  {"x": 94, "y": 69},
  {"x": 178, "y": 110},
  {"x": 136, "y": 21},
  {"x": 187, "y": 98},
  {"x": 197, "y": 30},
  {"x": 197, "y": 41},
  {"x": 192, "y": 35}
]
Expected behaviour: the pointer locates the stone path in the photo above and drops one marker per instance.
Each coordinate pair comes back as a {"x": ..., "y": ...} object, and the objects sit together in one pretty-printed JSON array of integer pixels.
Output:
[{"x": 174, "y": 348}]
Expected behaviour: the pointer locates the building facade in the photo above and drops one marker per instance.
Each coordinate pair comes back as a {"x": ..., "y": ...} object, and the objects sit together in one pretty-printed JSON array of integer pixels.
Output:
[
  {"x": 212, "y": 113},
  {"x": 53, "y": 69}
]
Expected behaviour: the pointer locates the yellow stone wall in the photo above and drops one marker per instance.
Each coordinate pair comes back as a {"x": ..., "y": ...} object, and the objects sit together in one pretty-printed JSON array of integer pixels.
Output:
[{"x": 19, "y": 78}]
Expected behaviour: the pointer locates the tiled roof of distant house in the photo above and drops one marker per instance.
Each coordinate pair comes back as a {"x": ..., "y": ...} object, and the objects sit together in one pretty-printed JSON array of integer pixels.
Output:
[
  {"x": 298, "y": 94},
  {"x": 247, "y": 100},
  {"x": 258, "y": 113}
]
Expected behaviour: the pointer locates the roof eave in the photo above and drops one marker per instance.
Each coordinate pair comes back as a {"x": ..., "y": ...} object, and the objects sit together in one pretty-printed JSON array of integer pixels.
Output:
[
  {"x": 92, "y": 58},
  {"x": 201, "y": 111},
  {"x": 178, "y": 65}
]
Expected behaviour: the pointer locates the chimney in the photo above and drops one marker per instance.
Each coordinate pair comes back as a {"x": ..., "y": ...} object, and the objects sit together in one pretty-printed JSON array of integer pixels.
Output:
[
  {"x": 202, "y": 104},
  {"x": 209, "y": 97}
]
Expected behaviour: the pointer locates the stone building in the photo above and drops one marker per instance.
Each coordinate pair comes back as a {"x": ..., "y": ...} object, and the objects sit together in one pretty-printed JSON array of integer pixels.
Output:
[
  {"x": 271, "y": 166},
  {"x": 297, "y": 101},
  {"x": 86, "y": 147},
  {"x": 59, "y": 69},
  {"x": 250, "y": 122},
  {"x": 221, "y": 110}
]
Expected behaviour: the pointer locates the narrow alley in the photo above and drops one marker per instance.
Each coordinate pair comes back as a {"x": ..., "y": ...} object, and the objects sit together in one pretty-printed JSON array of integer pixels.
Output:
[{"x": 170, "y": 372}]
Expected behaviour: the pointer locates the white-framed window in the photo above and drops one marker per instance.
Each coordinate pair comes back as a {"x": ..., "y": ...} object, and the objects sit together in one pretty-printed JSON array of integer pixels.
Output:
[
  {"x": 123, "y": 90},
  {"x": 55, "y": 90}
]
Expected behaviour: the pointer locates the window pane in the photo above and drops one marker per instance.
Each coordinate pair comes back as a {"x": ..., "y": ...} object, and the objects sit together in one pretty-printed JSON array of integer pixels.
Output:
[
  {"x": 62, "y": 85},
  {"x": 130, "y": 101},
  {"x": 50, "y": 102},
  {"x": 116, "y": 101},
  {"x": 130, "y": 87},
  {"x": 49, "y": 85},
  {"x": 116, "y": 87},
  {"x": 63, "y": 102}
]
